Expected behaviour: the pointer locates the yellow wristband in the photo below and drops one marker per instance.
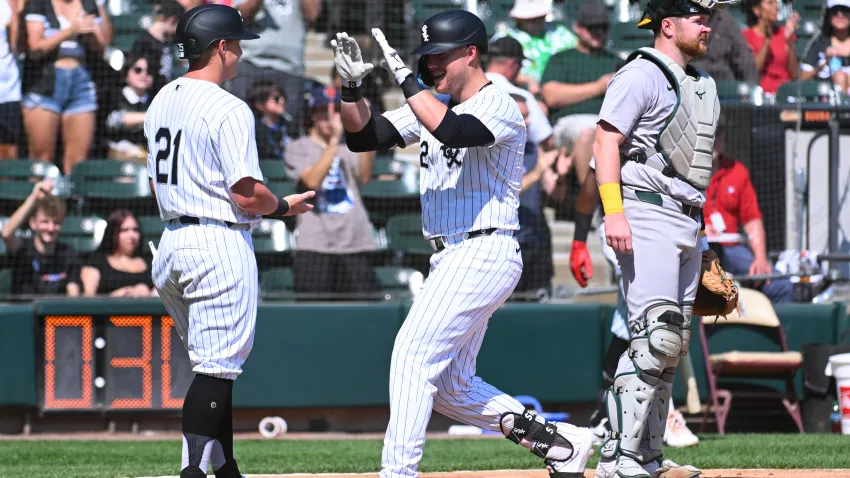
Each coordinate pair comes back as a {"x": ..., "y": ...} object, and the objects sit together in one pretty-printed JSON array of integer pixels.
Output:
[{"x": 612, "y": 199}]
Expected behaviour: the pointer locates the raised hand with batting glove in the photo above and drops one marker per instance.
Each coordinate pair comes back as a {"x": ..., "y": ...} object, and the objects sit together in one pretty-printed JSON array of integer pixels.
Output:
[{"x": 349, "y": 60}]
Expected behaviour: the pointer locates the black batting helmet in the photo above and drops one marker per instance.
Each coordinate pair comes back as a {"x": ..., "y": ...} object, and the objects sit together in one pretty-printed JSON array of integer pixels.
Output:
[
  {"x": 446, "y": 31},
  {"x": 205, "y": 24}
]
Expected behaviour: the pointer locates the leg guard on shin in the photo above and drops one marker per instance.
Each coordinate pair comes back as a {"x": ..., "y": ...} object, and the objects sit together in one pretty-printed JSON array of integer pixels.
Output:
[
  {"x": 536, "y": 434},
  {"x": 655, "y": 346}
]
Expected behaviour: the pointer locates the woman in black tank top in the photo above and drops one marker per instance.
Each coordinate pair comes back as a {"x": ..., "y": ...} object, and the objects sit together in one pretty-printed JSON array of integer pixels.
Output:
[{"x": 117, "y": 268}]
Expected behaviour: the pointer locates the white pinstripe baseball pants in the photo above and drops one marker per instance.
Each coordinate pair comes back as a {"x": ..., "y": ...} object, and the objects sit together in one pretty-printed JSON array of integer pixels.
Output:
[
  {"x": 206, "y": 276},
  {"x": 433, "y": 361}
]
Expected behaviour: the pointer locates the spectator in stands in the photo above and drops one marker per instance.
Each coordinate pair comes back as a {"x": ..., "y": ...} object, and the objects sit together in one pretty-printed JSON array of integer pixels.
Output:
[
  {"x": 575, "y": 82},
  {"x": 504, "y": 61},
  {"x": 117, "y": 268},
  {"x": 10, "y": 79},
  {"x": 731, "y": 201},
  {"x": 158, "y": 43},
  {"x": 125, "y": 123},
  {"x": 772, "y": 45},
  {"x": 534, "y": 237},
  {"x": 828, "y": 54},
  {"x": 332, "y": 239},
  {"x": 64, "y": 40},
  {"x": 539, "y": 41},
  {"x": 728, "y": 57},
  {"x": 41, "y": 264},
  {"x": 269, "y": 104},
  {"x": 279, "y": 53}
]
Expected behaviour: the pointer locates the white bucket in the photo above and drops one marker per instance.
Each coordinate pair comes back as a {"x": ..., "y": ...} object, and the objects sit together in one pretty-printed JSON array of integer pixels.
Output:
[{"x": 839, "y": 367}]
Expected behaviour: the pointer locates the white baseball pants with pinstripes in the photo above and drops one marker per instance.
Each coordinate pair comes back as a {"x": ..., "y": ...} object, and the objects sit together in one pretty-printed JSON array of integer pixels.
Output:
[
  {"x": 433, "y": 361},
  {"x": 206, "y": 276}
]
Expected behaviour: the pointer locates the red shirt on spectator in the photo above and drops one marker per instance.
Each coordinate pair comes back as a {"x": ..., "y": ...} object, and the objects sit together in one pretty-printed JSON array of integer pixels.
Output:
[
  {"x": 775, "y": 70},
  {"x": 731, "y": 194}
]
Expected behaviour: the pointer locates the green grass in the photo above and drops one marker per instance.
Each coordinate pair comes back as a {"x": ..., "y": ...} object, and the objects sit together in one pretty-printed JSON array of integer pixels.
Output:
[{"x": 113, "y": 459}]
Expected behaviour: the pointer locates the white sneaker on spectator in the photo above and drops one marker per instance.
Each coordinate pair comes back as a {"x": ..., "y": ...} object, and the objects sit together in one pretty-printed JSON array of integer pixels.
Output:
[{"x": 677, "y": 433}]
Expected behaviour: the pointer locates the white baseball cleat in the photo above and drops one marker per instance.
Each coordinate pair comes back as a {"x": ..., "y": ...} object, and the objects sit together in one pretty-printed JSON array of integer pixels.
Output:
[
  {"x": 670, "y": 469},
  {"x": 582, "y": 440},
  {"x": 677, "y": 433}
]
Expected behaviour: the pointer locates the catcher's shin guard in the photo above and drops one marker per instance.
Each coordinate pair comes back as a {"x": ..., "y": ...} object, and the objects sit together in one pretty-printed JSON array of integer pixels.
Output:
[
  {"x": 654, "y": 351},
  {"x": 533, "y": 432}
]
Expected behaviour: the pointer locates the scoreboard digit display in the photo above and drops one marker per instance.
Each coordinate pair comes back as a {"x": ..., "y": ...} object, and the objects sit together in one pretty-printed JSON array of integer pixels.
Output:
[{"x": 108, "y": 363}]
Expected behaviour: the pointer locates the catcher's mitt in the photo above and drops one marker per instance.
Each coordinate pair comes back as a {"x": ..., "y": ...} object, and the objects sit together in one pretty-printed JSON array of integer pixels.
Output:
[{"x": 717, "y": 294}]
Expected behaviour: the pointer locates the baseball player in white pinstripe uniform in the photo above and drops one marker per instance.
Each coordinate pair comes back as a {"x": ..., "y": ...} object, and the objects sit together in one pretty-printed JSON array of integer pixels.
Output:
[
  {"x": 471, "y": 139},
  {"x": 204, "y": 173}
]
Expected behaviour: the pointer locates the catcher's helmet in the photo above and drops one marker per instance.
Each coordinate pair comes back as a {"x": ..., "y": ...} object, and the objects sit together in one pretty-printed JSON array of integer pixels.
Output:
[
  {"x": 446, "y": 31},
  {"x": 205, "y": 24},
  {"x": 657, "y": 10}
]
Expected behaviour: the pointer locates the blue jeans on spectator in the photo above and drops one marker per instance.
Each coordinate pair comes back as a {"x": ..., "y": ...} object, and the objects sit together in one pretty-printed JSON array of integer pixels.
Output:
[{"x": 737, "y": 260}]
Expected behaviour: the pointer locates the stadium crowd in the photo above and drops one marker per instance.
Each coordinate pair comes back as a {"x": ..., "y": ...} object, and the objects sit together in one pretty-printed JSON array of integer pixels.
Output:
[{"x": 76, "y": 78}]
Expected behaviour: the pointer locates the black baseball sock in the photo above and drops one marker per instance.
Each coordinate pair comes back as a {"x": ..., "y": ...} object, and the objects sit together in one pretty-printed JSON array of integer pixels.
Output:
[
  {"x": 204, "y": 409},
  {"x": 225, "y": 437}
]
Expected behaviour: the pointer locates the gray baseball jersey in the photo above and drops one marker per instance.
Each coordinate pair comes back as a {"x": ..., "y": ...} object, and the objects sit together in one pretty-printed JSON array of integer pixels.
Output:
[{"x": 638, "y": 101}]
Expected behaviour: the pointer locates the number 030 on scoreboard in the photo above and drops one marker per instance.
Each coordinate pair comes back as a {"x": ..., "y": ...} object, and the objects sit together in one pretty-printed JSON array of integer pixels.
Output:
[{"x": 111, "y": 363}]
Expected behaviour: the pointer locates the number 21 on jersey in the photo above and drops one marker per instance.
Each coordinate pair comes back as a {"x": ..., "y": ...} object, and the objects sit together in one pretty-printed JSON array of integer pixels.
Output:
[{"x": 165, "y": 143}]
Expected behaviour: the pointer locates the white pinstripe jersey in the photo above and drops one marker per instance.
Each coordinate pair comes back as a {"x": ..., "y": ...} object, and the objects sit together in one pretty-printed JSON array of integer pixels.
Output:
[
  {"x": 469, "y": 189},
  {"x": 200, "y": 143}
]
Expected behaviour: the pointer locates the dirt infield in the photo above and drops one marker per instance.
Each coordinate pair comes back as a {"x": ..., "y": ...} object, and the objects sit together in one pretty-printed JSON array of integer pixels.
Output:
[{"x": 589, "y": 474}]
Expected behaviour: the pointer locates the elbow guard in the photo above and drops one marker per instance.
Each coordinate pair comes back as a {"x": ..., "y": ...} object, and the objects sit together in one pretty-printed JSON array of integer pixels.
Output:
[{"x": 463, "y": 131}]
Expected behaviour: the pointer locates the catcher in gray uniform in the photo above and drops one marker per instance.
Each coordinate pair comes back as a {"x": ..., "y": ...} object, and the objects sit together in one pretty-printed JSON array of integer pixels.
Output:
[{"x": 653, "y": 152}]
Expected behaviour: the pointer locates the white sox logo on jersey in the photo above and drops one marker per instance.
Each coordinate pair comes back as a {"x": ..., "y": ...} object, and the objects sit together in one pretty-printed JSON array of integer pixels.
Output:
[{"x": 450, "y": 154}]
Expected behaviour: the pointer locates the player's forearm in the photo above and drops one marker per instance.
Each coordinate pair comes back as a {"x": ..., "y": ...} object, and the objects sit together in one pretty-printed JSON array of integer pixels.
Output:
[
  {"x": 261, "y": 201},
  {"x": 428, "y": 110},
  {"x": 755, "y": 237},
  {"x": 560, "y": 95},
  {"x": 606, "y": 151},
  {"x": 588, "y": 196},
  {"x": 355, "y": 115},
  {"x": 313, "y": 176},
  {"x": 15, "y": 222}
]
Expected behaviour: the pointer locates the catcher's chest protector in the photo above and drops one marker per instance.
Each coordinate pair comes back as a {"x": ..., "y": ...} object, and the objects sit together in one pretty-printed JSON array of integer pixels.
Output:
[{"x": 687, "y": 139}]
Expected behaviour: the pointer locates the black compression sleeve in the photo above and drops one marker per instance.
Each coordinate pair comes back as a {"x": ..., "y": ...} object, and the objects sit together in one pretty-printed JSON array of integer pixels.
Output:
[
  {"x": 378, "y": 135},
  {"x": 463, "y": 131}
]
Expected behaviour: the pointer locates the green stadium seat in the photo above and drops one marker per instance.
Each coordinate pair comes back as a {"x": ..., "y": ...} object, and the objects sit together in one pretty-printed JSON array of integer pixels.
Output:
[
  {"x": 273, "y": 170},
  {"x": 623, "y": 36},
  {"x": 277, "y": 284},
  {"x": 82, "y": 233},
  {"x": 271, "y": 240},
  {"x": 736, "y": 92},
  {"x": 387, "y": 167},
  {"x": 398, "y": 279},
  {"x": 17, "y": 177},
  {"x": 127, "y": 24},
  {"x": 103, "y": 185},
  {"x": 152, "y": 227},
  {"x": 812, "y": 91},
  {"x": 404, "y": 234},
  {"x": 110, "y": 179},
  {"x": 406, "y": 187}
]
